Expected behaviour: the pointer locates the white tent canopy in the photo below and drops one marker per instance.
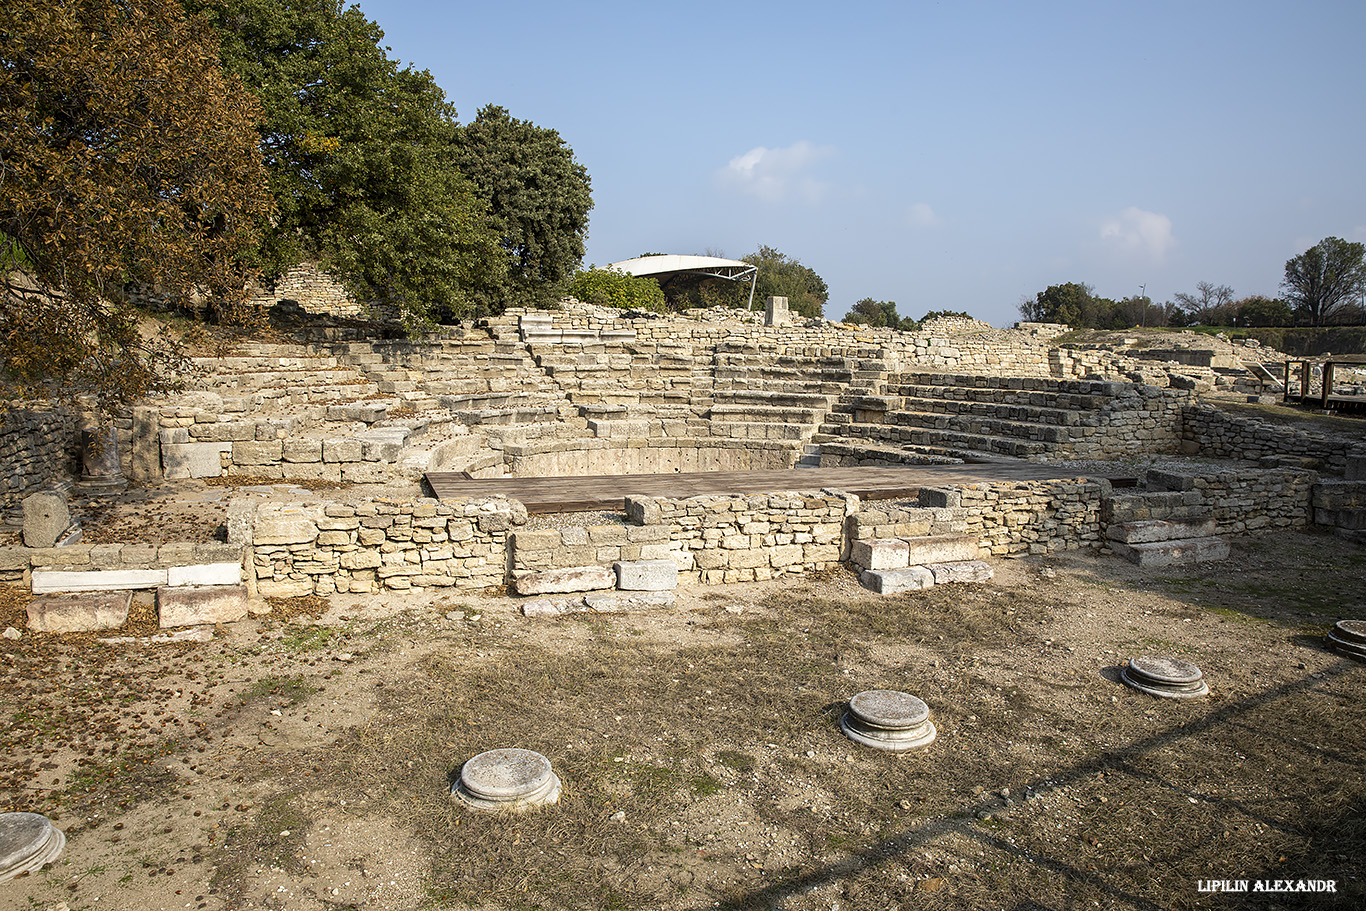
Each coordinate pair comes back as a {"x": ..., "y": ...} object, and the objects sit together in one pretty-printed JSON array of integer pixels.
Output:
[{"x": 666, "y": 267}]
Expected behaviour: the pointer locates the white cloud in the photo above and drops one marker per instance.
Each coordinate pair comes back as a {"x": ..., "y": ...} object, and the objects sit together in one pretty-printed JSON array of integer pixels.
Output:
[
  {"x": 1135, "y": 231},
  {"x": 922, "y": 216},
  {"x": 776, "y": 175}
]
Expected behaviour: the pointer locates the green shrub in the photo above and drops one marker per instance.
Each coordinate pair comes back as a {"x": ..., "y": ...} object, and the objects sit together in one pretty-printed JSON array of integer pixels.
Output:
[{"x": 612, "y": 288}]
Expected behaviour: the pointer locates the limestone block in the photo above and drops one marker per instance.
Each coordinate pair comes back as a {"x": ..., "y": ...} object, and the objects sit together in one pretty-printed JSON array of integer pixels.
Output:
[
  {"x": 963, "y": 571},
  {"x": 570, "y": 579},
  {"x": 606, "y": 603},
  {"x": 941, "y": 549},
  {"x": 253, "y": 452},
  {"x": 647, "y": 575},
  {"x": 360, "y": 559},
  {"x": 893, "y": 581},
  {"x": 46, "y": 518},
  {"x": 1169, "y": 553},
  {"x": 284, "y": 588},
  {"x": 193, "y": 460},
  {"x": 204, "y": 574},
  {"x": 537, "y": 540},
  {"x": 78, "y": 613},
  {"x": 45, "y": 581},
  {"x": 295, "y": 450},
  {"x": 342, "y": 450},
  {"x": 881, "y": 553},
  {"x": 1160, "y": 530},
  {"x": 196, "y": 605},
  {"x": 284, "y": 525}
]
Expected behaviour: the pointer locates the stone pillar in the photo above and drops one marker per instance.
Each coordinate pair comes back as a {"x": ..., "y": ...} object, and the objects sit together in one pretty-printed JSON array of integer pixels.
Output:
[
  {"x": 100, "y": 468},
  {"x": 776, "y": 313}
]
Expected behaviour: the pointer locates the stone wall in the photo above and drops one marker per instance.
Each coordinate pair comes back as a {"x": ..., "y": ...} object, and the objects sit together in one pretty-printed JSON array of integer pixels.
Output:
[
  {"x": 724, "y": 539},
  {"x": 39, "y": 447},
  {"x": 1217, "y": 434},
  {"x": 1033, "y": 517},
  {"x": 1245, "y": 500},
  {"x": 380, "y": 544},
  {"x": 318, "y": 292}
]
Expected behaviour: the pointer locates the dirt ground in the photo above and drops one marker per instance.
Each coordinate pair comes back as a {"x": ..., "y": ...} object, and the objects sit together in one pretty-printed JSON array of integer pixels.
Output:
[{"x": 303, "y": 760}]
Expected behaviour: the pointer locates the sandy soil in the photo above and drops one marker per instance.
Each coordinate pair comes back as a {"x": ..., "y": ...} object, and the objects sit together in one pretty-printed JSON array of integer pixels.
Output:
[{"x": 303, "y": 760}]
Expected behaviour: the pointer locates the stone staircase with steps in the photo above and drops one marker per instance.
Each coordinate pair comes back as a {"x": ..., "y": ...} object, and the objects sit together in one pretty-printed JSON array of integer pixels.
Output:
[
  {"x": 970, "y": 417},
  {"x": 1156, "y": 528}
]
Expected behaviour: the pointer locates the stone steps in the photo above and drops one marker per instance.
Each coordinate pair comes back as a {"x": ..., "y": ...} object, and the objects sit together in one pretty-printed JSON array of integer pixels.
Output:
[
  {"x": 1158, "y": 528},
  {"x": 945, "y": 439}
]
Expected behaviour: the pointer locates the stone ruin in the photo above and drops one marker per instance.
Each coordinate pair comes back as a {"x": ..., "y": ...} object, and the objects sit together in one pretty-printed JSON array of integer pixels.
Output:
[{"x": 582, "y": 390}]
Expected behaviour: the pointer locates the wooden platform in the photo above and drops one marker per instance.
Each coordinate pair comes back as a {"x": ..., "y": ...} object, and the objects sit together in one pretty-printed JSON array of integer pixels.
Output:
[{"x": 607, "y": 493}]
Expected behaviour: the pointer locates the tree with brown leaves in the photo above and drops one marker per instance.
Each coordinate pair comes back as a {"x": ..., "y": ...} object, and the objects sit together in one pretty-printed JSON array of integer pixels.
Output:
[{"x": 127, "y": 158}]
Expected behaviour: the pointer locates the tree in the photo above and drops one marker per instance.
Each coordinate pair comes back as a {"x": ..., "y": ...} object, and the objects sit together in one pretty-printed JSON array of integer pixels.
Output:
[
  {"x": 128, "y": 158},
  {"x": 1323, "y": 280},
  {"x": 782, "y": 276},
  {"x": 1210, "y": 305},
  {"x": 538, "y": 197},
  {"x": 1263, "y": 311},
  {"x": 362, "y": 158},
  {"x": 879, "y": 314},
  {"x": 1076, "y": 305},
  {"x": 614, "y": 288}
]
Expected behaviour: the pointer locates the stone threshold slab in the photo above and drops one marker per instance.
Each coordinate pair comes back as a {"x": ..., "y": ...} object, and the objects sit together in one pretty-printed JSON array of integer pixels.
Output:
[{"x": 47, "y": 581}]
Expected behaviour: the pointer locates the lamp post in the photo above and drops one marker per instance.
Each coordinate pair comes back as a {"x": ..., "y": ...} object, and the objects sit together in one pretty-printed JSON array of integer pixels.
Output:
[{"x": 1143, "y": 305}]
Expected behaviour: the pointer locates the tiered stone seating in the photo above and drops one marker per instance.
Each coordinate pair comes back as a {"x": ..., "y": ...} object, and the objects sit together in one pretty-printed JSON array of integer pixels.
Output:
[{"x": 943, "y": 414}]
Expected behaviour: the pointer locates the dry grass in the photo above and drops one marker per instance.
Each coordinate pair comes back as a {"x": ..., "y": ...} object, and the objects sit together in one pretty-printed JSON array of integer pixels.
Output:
[{"x": 701, "y": 756}]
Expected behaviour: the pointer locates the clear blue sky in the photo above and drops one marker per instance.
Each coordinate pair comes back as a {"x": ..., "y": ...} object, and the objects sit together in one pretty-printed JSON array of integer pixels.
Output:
[{"x": 947, "y": 156}]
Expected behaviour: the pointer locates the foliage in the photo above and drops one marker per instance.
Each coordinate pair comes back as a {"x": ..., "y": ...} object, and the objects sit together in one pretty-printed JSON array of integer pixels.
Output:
[
  {"x": 614, "y": 288},
  {"x": 1263, "y": 311},
  {"x": 782, "y": 276},
  {"x": 1210, "y": 305},
  {"x": 538, "y": 198},
  {"x": 878, "y": 314},
  {"x": 128, "y": 158},
  {"x": 1324, "y": 280},
  {"x": 936, "y": 314},
  {"x": 1074, "y": 304},
  {"x": 361, "y": 156}
]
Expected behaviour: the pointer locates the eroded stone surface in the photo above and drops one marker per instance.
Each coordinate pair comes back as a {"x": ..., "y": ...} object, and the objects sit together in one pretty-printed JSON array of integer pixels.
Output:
[
  {"x": 82, "y": 612},
  {"x": 1169, "y": 678},
  {"x": 507, "y": 779},
  {"x": 570, "y": 579},
  {"x": 194, "y": 605},
  {"x": 27, "y": 841}
]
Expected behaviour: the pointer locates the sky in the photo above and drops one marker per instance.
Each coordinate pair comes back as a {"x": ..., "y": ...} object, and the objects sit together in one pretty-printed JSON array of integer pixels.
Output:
[{"x": 946, "y": 156}]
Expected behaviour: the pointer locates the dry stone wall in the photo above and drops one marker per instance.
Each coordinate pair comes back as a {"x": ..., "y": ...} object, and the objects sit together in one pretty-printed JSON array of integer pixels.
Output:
[
  {"x": 717, "y": 540},
  {"x": 38, "y": 447},
  {"x": 1218, "y": 434},
  {"x": 1246, "y": 500},
  {"x": 380, "y": 544}
]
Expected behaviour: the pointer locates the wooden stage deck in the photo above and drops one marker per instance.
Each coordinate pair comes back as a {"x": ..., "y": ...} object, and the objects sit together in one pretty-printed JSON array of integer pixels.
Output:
[{"x": 607, "y": 493}]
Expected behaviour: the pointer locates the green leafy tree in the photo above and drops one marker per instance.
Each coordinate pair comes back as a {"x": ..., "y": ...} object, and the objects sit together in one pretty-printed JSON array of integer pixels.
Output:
[
  {"x": 1076, "y": 305},
  {"x": 538, "y": 198},
  {"x": 362, "y": 158},
  {"x": 782, "y": 276},
  {"x": 878, "y": 314},
  {"x": 126, "y": 157},
  {"x": 1264, "y": 311},
  {"x": 614, "y": 288},
  {"x": 1322, "y": 281}
]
